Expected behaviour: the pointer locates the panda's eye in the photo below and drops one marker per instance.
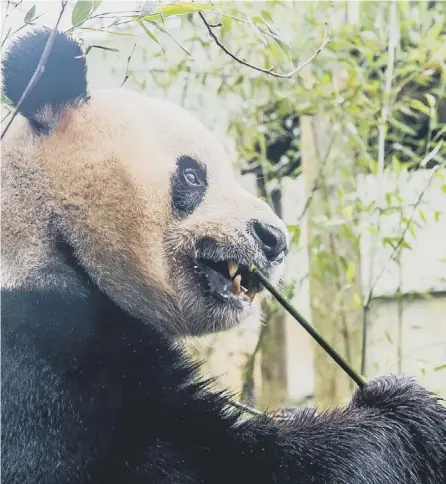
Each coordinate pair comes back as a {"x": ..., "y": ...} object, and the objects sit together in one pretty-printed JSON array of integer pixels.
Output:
[
  {"x": 191, "y": 177},
  {"x": 188, "y": 186}
]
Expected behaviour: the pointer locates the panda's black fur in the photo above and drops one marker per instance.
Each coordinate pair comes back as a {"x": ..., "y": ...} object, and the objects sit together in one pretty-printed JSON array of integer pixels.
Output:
[{"x": 91, "y": 394}]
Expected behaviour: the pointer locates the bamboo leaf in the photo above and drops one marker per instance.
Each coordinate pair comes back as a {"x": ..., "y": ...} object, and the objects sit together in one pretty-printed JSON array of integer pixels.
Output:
[
  {"x": 406, "y": 245},
  {"x": 111, "y": 49},
  {"x": 357, "y": 300},
  {"x": 350, "y": 271},
  {"x": 162, "y": 29},
  {"x": 403, "y": 127},
  {"x": 419, "y": 106},
  {"x": 296, "y": 233},
  {"x": 149, "y": 34},
  {"x": 81, "y": 11},
  {"x": 30, "y": 14},
  {"x": 96, "y": 4},
  {"x": 176, "y": 9},
  {"x": 422, "y": 215}
]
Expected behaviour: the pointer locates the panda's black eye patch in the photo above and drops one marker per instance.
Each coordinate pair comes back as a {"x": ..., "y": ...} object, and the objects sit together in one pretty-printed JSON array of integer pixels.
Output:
[{"x": 188, "y": 186}]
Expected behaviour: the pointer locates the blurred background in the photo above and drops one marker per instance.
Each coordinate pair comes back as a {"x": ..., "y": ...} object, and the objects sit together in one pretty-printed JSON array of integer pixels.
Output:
[{"x": 335, "y": 114}]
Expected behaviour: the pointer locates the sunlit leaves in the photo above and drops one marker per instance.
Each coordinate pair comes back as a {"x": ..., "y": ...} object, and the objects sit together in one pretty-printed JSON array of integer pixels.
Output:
[
  {"x": 295, "y": 232},
  {"x": 176, "y": 9},
  {"x": 396, "y": 242},
  {"x": 419, "y": 106},
  {"x": 350, "y": 272}
]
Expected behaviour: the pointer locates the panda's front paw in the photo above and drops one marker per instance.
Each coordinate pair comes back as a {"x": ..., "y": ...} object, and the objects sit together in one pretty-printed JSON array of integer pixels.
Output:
[
  {"x": 415, "y": 415},
  {"x": 402, "y": 398}
]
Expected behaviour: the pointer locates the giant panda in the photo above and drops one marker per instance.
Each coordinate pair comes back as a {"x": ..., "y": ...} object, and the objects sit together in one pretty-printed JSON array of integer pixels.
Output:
[{"x": 123, "y": 229}]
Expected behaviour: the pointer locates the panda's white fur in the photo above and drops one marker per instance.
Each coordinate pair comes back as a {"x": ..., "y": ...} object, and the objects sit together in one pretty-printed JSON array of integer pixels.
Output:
[{"x": 115, "y": 209}]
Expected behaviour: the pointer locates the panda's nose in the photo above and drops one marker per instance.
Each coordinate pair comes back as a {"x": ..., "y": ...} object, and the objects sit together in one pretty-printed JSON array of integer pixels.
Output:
[{"x": 272, "y": 241}]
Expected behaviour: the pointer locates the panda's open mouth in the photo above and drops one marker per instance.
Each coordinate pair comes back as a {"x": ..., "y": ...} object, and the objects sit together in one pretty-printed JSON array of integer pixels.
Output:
[{"x": 226, "y": 280}]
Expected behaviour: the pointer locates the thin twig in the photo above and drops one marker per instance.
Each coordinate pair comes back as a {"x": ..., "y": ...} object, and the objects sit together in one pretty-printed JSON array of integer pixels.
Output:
[
  {"x": 113, "y": 15},
  {"x": 314, "y": 189},
  {"x": 11, "y": 34},
  {"x": 274, "y": 415},
  {"x": 406, "y": 229},
  {"x": 128, "y": 65},
  {"x": 6, "y": 116},
  {"x": 269, "y": 71},
  {"x": 317, "y": 181},
  {"x": 8, "y": 14},
  {"x": 39, "y": 69},
  {"x": 246, "y": 408}
]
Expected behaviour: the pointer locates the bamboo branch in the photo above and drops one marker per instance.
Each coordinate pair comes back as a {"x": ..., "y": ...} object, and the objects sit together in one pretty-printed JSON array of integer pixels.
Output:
[
  {"x": 128, "y": 65},
  {"x": 269, "y": 71}
]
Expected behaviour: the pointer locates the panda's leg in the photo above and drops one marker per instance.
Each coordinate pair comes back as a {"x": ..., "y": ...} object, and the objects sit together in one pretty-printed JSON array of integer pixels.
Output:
[{"x": 177, "y": 431}]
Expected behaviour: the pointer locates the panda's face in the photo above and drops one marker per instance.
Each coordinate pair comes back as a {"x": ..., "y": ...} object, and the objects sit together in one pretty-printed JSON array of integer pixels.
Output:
[
  {"x": 216, "y": 230},
  {"x": 143, "y": 193},
  {"x": 189, "y": 227}
]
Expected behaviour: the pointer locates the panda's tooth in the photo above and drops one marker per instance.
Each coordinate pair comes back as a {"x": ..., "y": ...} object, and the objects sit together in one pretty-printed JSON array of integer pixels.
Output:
[
  {"x": 232, "y": 268},
  {"x": 236, "y": 284}
]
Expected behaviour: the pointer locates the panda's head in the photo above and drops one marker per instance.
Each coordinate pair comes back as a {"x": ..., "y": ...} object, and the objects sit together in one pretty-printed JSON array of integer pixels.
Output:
[{"x": 141, "y": 191}]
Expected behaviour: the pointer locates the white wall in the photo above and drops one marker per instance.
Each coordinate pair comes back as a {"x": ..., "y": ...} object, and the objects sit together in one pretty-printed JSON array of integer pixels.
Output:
[{"x": 421, "y": 330}]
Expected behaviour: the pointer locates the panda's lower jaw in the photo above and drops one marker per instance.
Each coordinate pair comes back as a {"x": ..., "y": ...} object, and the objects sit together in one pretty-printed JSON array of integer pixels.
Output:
[{"x": 226, "y": 282}]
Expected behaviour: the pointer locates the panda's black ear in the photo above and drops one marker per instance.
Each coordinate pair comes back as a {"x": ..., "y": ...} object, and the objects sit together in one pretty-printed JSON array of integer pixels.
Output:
[{"x": 62, "y": 84}]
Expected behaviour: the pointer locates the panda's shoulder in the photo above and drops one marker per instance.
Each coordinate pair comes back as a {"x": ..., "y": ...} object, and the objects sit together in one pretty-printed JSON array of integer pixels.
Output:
[{"x": 71, "y": 316}]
